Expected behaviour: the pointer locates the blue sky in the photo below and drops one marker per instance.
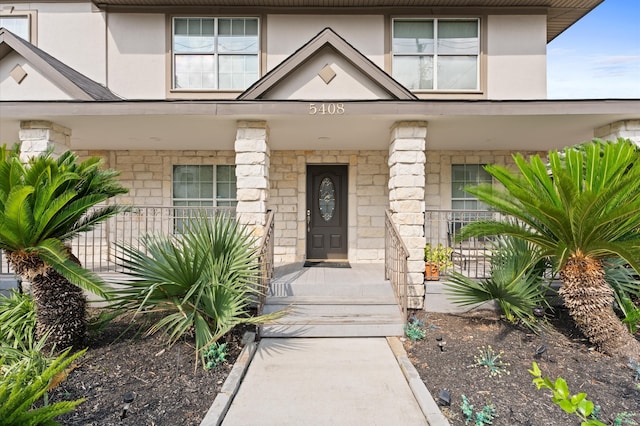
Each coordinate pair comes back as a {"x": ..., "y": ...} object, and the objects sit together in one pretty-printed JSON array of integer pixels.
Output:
[{"x": 599, "y": 56}]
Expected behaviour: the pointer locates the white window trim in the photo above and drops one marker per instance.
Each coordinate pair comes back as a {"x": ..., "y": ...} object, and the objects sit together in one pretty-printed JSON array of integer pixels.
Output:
[
  {"x": 469, "y": 197},
  {"x": 435, "y": 53},
  {"x": 173, "y": 54},
  {"x": 215, "y": 200},
  {"x": 32, "y": 18}
]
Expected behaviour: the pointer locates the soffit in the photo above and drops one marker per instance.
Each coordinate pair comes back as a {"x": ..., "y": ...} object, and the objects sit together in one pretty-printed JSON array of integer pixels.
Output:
[{"x": 561, "y": 14}]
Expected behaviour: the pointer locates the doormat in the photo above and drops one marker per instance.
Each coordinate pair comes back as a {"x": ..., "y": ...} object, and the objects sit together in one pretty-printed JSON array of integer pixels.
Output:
[{"x": 322, "y": 264}]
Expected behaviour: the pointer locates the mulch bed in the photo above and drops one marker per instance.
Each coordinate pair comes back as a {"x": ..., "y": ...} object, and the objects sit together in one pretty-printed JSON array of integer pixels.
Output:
[
  {"x": 167, "y": 390},
  {"x": 608, "y": 383}
]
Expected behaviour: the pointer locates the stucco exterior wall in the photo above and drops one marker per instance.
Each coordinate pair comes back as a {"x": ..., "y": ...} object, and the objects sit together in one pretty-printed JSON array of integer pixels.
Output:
[
  {"x": 287, "y": 33},
  {"x": 516, "y": 57},
  {"x": 33, "y": 87},
  {"x": 137, "y": 55}
]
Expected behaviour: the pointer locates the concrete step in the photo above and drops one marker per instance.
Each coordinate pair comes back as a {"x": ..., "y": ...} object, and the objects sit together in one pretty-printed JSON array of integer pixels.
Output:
[
  {"x": 334, "y": 289},
  {"x": 345, "y": 320},
  {"x": 330, "y": 300}
]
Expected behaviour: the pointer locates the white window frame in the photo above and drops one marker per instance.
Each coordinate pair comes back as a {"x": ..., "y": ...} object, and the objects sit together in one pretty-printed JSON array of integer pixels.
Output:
[
  {"x": 29, "y": 15},
  {"x": 215, "y": 200},
  {"x": 215, "y": 54},
  {"x": 468, "y": 196},
  {"x": 435, "y": 55}
]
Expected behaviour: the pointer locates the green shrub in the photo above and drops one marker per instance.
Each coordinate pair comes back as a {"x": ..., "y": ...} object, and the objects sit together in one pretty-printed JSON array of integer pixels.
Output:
[
  {"x": 625, "y": 286},
  {"x": 515, "y": 282},
  {"x": 203, "y": 280},
  {"x": 17, "y": 319},
  {"x": 20, "y": 389}
]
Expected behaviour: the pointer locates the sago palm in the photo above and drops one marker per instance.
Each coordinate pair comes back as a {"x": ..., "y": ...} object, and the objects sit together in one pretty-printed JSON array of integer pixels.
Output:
[
  {"x": 44, "y": 203},
  {"x": 580, "y": 209}
]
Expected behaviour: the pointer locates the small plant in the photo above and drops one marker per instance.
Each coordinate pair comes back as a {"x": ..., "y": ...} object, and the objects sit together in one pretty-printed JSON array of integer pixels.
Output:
[
  {"x": 19, "y": 390},
  {"x": 481, "y": 418},
  {"x": 214, "y": 354},
  {"x": 414, "y": 329},
  {"x": 624, "y": 418},
  {"x": 17, "y": 319},
  {"x": 491, "y": 360},
  {"x": 573, "y": 404},
  {"x": 439, "y": 256}
]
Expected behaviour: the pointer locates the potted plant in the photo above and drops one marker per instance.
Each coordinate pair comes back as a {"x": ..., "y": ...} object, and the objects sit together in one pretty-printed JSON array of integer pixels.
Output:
[{"x": 437, "y": 259}]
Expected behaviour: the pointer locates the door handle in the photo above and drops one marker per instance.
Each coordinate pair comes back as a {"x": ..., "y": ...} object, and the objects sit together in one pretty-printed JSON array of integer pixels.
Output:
[{"x": 308, "y": 220}]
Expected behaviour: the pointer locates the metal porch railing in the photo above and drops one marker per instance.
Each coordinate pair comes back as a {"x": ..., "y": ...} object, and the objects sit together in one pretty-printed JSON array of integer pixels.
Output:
[
  {"x": 395, "y": 263},
  {"x": 469, "y": 257},
  {"x": 265, "y": 258}
]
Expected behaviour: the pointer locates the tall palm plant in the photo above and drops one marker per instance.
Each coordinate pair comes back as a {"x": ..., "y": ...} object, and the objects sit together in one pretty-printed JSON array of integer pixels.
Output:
[
  {"x": 580, "y": 210},
  {"x": 44, "y": 203}
]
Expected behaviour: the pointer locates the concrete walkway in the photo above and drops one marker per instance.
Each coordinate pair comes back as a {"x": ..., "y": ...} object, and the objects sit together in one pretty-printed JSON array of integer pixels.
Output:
[{"x": 324, "y": 381}]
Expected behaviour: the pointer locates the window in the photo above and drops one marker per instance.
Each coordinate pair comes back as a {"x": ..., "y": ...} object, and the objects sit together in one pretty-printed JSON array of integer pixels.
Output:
[
  {"x": 17, "y": 24},
  {"x": 201, "y": 186},
  {"x": 215, "y": 53},
  {"x": 436, "y": 54},
  {"x": 463, "y": 175}
]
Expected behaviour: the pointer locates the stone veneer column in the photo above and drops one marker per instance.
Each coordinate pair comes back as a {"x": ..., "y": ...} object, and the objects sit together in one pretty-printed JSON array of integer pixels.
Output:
[
  {"x": 406, "y": 198},
  {"x": 37, "y": 137},
  {"x": 252, "y": 172},
  {"x": 627, "y": 129}
]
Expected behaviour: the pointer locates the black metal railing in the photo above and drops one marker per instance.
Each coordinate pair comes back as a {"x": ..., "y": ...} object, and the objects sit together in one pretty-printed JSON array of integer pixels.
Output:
[{"x": 395, "y": 263}]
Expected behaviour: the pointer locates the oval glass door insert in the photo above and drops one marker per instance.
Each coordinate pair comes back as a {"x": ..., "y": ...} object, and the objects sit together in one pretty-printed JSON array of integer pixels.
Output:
[{"x": 327, "y": 199}]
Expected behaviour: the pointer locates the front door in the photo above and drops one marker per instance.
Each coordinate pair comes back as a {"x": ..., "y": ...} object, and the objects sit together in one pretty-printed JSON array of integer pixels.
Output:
[{"x": 327, "y": 192}]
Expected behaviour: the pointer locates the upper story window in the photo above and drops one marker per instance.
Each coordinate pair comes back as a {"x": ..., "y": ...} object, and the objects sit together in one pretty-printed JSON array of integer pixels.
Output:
[
  {"x": 463, "y": 175},
  {"x": 215, "y": 53},
  {"x": 436, "y": 54},
  {"x": 17, "y": 24}
]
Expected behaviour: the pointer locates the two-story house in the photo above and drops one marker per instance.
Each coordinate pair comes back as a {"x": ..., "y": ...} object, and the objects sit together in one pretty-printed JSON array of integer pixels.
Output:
[{"x": 326, "y": 112}]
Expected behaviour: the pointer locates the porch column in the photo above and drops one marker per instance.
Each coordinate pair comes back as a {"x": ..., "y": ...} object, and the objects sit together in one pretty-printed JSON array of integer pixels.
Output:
[
  {"x": 627, "y": 129},
  {"x": 406, "y": 198},
  {"x": 252, "y": 173},
  {"x": 37, "y": 136}
]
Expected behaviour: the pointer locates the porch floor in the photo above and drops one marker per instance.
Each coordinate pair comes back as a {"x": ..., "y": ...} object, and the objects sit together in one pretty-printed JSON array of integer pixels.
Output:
[{"x": 332, "y": 302}]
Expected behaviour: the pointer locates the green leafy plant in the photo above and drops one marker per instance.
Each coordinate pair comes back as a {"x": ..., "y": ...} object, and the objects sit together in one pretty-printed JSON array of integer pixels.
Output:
[
  {"x": 515, "y": 282},
  {"x": 414, "y": 330},
  {"x": 19, "y": 390},
  {"x": 17, "y": 319},
  {"x": 202, "y": 280},
  {"x": 482, "y": 417},
  {"x": 625, "y": 287},
  {"x": 492, "y": 361},
  {"x": 214, "y": 354},
  {"x": 577, "y": 404},
  {"x": 439, "y": 255},
  {"x": 624, "y": 418},
  {"x": 30, "y": 354}
]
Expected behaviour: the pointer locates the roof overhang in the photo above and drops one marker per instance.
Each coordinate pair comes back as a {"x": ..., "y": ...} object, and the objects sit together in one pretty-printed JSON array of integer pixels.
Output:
[
  {"x": 361, "y": 125},
  {"x": 561, "y": 14}
]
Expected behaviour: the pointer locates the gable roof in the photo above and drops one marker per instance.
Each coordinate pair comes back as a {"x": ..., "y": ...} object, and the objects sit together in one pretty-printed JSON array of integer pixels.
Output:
[
  {"x": 327, "y": 37},
  {"x": 561, "y": 14},
  {"x": 75, "y": 84}
]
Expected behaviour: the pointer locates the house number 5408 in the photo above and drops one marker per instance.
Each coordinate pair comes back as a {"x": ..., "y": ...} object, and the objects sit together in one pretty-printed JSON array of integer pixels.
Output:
[{"x": 326, "y": 109}]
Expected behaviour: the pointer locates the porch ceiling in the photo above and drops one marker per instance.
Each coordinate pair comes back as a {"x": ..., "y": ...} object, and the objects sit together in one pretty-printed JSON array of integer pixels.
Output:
[{"x": 516, "y": 125}]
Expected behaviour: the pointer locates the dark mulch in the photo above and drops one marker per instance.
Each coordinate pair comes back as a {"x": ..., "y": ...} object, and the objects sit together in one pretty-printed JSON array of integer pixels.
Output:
[
  {"x": 167, "y": 389},
  {"x": 608, "y": 383}
]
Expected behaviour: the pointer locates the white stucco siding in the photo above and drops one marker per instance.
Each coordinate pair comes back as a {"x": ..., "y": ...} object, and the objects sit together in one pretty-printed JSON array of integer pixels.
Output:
[
  {"x": 137, "y": 55},
  {"x": 33, "y": 87},
  {"x": 516, "y": 57},
  {"x": 287, "y": 33},
  {"x": 74, "y": 34},
  {"x": 348, "y": 83}
]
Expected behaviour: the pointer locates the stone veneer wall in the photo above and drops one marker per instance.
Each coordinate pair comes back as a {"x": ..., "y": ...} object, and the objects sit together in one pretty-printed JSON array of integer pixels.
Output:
[
  {"x": 438, "y": 171},
  {"x": 148, "y": 173},
  {"x": 368, "y": 199}
]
